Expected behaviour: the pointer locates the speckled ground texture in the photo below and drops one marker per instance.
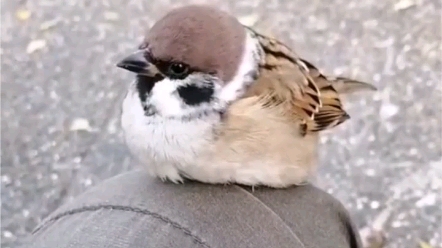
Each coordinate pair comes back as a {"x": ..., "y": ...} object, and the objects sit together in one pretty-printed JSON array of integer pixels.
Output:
[{"x": 58, "y": 69}]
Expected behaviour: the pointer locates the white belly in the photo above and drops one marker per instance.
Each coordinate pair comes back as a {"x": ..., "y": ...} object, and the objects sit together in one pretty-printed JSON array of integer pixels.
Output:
[{"x": 165, "y": 146}]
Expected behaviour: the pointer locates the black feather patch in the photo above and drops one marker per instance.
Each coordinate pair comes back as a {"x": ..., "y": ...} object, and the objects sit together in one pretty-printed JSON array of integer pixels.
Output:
[
  {"x": 145, "y": 85},
  {"x": 195, "y": 95}
]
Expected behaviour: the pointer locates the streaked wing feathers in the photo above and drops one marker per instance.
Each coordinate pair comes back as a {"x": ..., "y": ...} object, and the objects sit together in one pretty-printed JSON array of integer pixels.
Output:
[
  {"x": 332, "y": 112},
  {"x": 299, "y": 89},
  {"x": 284, "y": 79}
]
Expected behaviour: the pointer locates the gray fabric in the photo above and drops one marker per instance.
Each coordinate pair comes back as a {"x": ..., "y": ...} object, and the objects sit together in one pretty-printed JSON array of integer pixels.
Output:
[{"x": 133, "y": 210}]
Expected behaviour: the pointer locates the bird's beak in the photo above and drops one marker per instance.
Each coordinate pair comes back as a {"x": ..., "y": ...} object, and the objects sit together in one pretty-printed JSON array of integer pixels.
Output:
[{"x": 137, "y": 63}]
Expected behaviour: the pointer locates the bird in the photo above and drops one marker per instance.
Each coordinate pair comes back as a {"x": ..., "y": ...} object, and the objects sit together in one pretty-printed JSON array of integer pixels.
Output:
[{"x": 218, "y": 102}]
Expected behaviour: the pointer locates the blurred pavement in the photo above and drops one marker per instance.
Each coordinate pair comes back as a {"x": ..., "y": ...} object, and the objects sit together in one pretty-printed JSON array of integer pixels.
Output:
[{"x": 61, "y": 96}]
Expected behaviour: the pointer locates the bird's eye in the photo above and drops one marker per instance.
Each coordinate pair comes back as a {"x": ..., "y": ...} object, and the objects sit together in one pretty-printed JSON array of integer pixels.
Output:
[{"x": 178, "y": 70}]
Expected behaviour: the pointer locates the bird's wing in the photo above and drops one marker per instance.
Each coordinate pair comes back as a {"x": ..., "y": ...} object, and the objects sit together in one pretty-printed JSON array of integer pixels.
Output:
[
  {"x": 284, "y": 79},
  {"x": 332, "y": 113},
  {"x": 299, "y": 89}
]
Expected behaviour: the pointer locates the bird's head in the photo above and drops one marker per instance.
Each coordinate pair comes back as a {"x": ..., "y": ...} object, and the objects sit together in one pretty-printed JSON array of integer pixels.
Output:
[{"x": 196, "y": 58}]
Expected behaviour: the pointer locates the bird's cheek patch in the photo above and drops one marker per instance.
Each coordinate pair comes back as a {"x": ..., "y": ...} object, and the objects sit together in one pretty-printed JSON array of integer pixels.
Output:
[{"x": 196, "y": 94}]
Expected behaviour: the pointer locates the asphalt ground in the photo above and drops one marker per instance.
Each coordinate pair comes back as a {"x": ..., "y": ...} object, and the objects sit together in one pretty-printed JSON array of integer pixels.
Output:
[{"x": 61, "y": 96}]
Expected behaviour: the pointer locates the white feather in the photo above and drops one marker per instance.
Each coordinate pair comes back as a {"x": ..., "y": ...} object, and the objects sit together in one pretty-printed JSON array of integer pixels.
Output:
[{"x": 243, "y": 78}]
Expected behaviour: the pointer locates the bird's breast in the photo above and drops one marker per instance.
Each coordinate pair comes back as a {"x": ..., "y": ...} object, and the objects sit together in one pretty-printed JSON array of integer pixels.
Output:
[{"x": 156, "y": 139}]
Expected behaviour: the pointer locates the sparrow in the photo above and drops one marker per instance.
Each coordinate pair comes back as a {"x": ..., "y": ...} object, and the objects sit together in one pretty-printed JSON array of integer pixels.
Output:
[{"x": 215, "y": 101}]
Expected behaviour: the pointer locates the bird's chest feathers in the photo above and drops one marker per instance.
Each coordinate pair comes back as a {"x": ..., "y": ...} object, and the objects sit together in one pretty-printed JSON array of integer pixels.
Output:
[{"x": 158, "y": 140}]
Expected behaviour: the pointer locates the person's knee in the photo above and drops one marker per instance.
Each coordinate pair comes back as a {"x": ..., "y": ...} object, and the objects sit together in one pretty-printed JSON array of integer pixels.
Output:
[{"x": 313, "y": 216}]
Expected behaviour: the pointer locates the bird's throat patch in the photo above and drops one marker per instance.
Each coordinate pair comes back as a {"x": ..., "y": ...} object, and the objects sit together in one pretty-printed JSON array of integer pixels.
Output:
[{"x": 145, "y": 85}]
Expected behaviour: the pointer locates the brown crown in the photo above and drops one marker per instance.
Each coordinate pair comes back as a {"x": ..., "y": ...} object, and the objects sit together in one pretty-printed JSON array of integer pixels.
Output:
[{"x": 201, "y": 36}]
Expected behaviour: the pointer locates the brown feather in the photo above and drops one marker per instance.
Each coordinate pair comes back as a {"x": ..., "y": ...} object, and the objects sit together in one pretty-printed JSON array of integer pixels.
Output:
[
  {"x": 332, "y": 113},
  {"x": 285, "y": 80},
  {"x": 300, "y": 90}
]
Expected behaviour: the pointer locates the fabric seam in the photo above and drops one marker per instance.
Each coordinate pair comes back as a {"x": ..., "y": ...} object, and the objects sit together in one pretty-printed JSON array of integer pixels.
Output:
[{"x": 186, "y": 231}]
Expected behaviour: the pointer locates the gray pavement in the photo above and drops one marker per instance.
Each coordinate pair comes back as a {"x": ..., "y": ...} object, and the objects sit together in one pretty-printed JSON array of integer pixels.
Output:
[{"x": 61, "y": 96}]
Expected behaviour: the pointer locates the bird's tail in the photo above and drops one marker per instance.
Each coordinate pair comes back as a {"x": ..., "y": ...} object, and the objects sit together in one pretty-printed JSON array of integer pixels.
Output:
[{"x": 348, "y": 86}]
